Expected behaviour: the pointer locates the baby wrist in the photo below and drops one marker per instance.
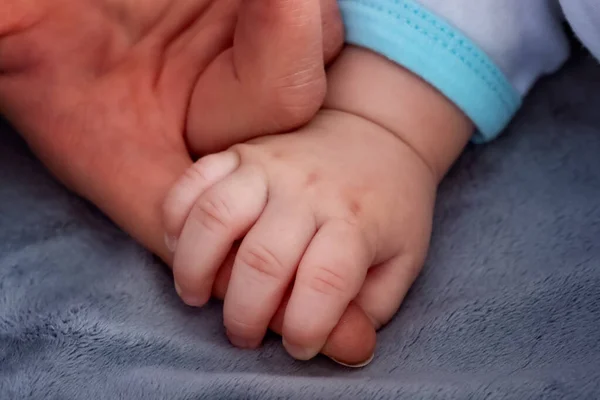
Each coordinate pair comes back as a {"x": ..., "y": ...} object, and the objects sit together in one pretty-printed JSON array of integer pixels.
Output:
[{"x": 366, "y": 84}]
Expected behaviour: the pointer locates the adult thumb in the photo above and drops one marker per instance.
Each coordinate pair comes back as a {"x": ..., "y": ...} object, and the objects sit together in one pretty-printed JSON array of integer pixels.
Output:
[
  {"x": 271, "y": 80},
  {"x": 17, "y": 15}
]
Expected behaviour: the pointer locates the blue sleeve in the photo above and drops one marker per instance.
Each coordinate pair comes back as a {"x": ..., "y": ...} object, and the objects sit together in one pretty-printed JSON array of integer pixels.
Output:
[{"x": 412, "y": 36}]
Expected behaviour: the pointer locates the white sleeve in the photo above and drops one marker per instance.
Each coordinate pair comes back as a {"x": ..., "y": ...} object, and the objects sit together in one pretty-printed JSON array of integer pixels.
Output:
[
  {"x": 523, "y": 37},
  {"x": 584, "y": 18}
]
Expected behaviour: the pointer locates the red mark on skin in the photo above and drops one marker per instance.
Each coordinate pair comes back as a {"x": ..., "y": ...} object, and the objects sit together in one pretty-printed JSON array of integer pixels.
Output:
[
  {"x": 278, "y": 155},
  {"x": 312, "y": 179},
  {"x": 355, "y": 207},
  {"x": 354, "y": 197}
]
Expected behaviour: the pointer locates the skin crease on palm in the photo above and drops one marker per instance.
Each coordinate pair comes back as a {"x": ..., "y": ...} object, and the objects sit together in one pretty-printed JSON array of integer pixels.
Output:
[{"x": 103, "y": 91}]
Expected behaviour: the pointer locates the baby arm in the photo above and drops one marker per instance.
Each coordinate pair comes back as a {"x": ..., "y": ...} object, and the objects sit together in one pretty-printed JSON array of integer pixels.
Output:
[
  {"x": 364, "y": 171},
  {"x": 338, "y": 210}
]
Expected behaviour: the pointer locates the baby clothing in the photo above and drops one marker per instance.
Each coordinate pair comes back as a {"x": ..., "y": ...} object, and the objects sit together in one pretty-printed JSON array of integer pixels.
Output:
[{"x": 484, "y": 55}]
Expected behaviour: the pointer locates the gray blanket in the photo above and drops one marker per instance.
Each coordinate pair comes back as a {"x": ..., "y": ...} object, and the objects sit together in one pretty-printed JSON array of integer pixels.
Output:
[{"x": 508, "y": 305}]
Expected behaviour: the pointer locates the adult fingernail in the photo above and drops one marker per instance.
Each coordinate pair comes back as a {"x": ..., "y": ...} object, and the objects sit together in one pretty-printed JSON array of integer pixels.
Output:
[
  {"x": 171, "y": 243},
  {"x": 241, "y": 342},
  {"x": 300, "y": 352},
  {"x": 359, "y": 365}
]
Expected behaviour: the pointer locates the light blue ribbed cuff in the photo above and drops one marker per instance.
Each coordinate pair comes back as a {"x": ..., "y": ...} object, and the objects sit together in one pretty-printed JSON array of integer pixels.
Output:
[{"x": 407, "y": 33}]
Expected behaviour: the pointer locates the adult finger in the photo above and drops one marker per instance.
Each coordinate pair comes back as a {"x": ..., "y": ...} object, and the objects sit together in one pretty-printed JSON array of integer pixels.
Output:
[
  {"x": 265, "y": 264},
  {"x": 330, "y": 275},
  {"x": 271, "y": 80},
  {"x": 223, "y": 214},
  {"x": 18, "y": 15},
  {"x": 333, "y": 30}
]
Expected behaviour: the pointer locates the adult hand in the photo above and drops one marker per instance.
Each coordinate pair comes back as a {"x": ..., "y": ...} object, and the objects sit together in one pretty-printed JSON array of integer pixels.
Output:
[{"x": 102, "y": 91}]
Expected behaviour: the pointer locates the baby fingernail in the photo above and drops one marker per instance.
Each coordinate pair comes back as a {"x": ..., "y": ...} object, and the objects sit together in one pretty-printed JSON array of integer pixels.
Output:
[
  {"x": 171, "y": 243},
  {"x": 299, "y": 352},
  {"x": 178, "y": 289},
  {"x": 359, "y": 365},
  {"x": 241, "y": 342},
  {"x": 191, "y": 301}
]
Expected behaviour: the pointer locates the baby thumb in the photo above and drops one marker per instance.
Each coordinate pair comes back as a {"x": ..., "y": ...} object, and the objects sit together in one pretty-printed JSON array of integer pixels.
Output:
[{"x": 271, "y": 80}]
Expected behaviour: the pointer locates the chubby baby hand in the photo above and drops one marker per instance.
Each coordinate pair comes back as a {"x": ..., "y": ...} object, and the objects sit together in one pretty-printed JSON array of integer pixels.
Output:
[{"x": 337, "y": 211}]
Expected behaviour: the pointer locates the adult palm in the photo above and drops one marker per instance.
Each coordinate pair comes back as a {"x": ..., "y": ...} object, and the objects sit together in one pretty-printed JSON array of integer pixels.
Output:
[{"x": 112, "y": 95}]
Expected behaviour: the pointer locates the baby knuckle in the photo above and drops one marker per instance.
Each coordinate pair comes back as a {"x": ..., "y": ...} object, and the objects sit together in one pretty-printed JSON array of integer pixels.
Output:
[
  {"x": 171, "y": 215},
  {"x": 301, "y": 333},
  {"x": 246, "y": 151},
  {"x": 242, "y": 326},
  {"x": 213, "y": 213},
  {"x": 328, "y": 281},
  {"x": 351, "y": 221},
  {"x": 197, "y": 172},
  {"x": 263, "y": 261}
]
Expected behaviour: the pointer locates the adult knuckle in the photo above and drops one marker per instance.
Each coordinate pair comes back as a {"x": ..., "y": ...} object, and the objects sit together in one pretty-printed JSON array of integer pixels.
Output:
[{"x": 263, "y": 261}]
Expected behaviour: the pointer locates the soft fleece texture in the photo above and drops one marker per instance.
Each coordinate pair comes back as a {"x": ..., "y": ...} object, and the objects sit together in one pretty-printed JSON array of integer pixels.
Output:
[{"x": 508, "y": 305}]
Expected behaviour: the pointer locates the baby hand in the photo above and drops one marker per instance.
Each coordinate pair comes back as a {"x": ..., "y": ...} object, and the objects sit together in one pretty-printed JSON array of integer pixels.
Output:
[{"x": 337, "y": 211}]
